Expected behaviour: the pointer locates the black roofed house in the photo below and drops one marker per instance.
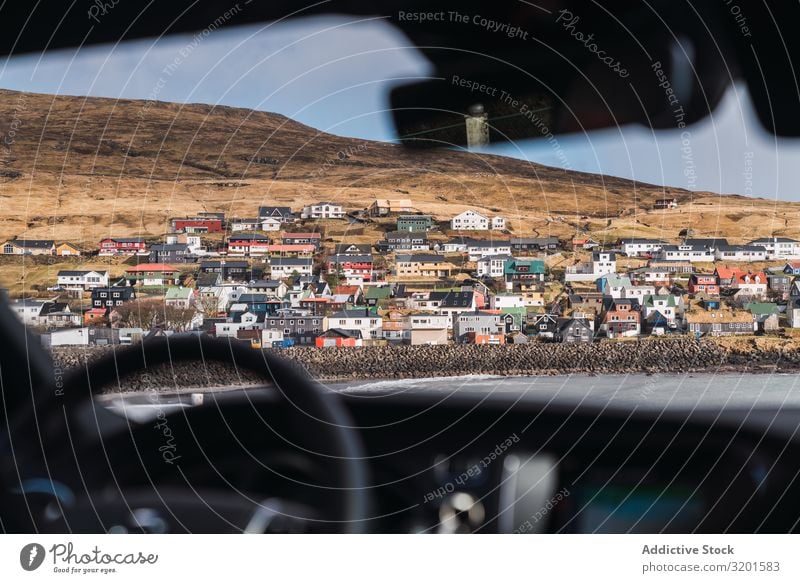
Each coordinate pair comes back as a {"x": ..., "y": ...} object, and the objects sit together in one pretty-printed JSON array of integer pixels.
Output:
[
  {"x": 228, "y": 270},
  {"x": 59, "y": 315},
  {"x": 352, "y": 249},
  {"x": 108, "y": 297},
  {"x": 725, "y": 252},
  {"x": 453, "y": 302},
  {"x": 574, "y": 330},
  {"x": 29, "y": 247},
  {"x": 170, "y": 253},
  {"x": 282, "y": 213},
  {"x": 541, "y": 325},
  {"x": 522, "y": 244},
  {"x": 404, "y": 241},
  {"x": 272, "y": 287}
]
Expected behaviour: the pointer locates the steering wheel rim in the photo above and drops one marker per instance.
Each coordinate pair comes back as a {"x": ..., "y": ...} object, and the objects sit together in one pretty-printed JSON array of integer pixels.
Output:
[{"x": 333, "y": 424}]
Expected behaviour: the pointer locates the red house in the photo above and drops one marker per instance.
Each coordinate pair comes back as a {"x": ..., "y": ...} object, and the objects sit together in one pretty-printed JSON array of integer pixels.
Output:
[
  {"x": 351, "y": 266},
  {"x": 123, "y": 246},
  {"x": 248, "y": 244},
  {"x": 197, "y": 225},
  {"x": 337, "y": 338},
  {"x": 704, "y": 283}
]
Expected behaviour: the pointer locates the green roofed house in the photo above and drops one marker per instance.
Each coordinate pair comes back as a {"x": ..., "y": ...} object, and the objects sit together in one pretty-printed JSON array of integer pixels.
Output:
[
  {"x": 413, "y": 223},
  {"x": 179, "y": 297},
  {"x": 765, "y": 315},
  {"x": 374, "y": 294},
  {"x": 523, "y": 273}
]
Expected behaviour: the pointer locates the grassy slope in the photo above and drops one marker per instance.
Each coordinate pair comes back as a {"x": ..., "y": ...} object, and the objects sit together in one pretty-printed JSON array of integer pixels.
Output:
[{"x": 93, "y": 167}]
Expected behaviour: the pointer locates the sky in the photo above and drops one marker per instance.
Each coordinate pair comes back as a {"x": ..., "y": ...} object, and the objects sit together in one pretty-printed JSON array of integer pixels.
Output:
[{"x": 334, "y": 73}]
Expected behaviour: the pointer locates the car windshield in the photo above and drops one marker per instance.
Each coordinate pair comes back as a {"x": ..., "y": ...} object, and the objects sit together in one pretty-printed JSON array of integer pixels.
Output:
[{"x": 248, "y": 183}]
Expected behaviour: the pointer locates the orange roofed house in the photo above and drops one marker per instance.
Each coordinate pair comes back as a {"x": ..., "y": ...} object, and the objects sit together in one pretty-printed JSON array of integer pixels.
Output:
[{"x": 160, "y": 274}]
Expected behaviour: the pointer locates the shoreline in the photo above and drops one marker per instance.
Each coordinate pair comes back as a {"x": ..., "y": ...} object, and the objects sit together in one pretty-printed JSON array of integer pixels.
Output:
[{"x": 386, "y": 363}]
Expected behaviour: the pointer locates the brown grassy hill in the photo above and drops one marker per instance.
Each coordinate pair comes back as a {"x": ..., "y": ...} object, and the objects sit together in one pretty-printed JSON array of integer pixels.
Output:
[{"x": 78, "y": 169}]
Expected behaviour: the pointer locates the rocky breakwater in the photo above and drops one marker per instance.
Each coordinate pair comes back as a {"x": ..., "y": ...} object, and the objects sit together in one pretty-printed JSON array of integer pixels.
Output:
[
  {"x": 650, "y": 355},
  {"x": 535, "y": 358}
]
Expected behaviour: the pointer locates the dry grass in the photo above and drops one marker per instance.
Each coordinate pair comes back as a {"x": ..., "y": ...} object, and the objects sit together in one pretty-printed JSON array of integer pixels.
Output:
[{"x": 88, "y": 168}]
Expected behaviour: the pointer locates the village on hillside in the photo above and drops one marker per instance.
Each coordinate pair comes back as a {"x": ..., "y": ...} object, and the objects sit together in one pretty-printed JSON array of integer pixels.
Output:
[{"x": 279, "y": 279}]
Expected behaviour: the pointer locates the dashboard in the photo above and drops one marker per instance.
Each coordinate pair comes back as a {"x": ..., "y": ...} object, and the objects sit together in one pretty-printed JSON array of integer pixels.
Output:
[{"x": 465, "y": 463}]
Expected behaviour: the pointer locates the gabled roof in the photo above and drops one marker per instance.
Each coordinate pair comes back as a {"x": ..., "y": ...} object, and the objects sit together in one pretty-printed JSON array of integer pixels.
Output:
[
  {"x": 274, "y": 211},
  {"x": 762, "y": 308},
  {"x": 151, "y": 267},
  {"x": 341, "y": 333},
  {"x": 488, "y": 244},
  {"x": 650, "y": 300},
  {"x": 402, "y": 235},
  {"x": 451, "y": 299},
  {"x": 284, "y": 261},
  {"x": 178, "y": 293},
  {"x": 78, "y": 273},
  {"x": 773, "y": 240},
  {"x": 359, "y": 248},
  {"x": 378, "y": 293},
  {"x": 32, "y": 243},
  {"x": 252, "y": 298},
  {"x": 169, "y": 247},
  {"x": 637, "y": 241},
  {"x": 247, "y": 237},
  {"x": 266, "y": 283},
  {"x": 302, "y": 236},
  {"x": 420, "y": 258},
  {"x": 360, "y": 313}
]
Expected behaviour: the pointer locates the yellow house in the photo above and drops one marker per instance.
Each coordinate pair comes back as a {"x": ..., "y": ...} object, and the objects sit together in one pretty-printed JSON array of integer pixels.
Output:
[
  {"x": 422, "y": 265},
  {"x": 67, "y": 249}
]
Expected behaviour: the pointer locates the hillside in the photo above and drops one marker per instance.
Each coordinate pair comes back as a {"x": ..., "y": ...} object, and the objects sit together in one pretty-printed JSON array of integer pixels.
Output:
[{"x": 78, "y": 169}]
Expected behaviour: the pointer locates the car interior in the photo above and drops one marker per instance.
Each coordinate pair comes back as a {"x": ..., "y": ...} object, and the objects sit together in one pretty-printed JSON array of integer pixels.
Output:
[{"x": 296, "y": 456}]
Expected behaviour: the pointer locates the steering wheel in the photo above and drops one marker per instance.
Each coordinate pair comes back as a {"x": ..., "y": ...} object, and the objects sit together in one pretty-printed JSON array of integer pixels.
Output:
[{"x": 69, "y": 479}]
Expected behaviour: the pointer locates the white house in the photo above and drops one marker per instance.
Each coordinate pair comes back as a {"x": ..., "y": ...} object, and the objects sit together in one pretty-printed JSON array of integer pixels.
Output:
[
  {"x": 82, "y": 280},
  {"x": 67, "y": 337},
  {"x": 245, "y": 321},
  {"x": 498, "y": 223},
  {"x": 370, "y": 325},
  {"x": 603, "y": 263},
  {"x": 500, "y": 301},
  {"x": 686, "y": 253},
  {"x": 493, "y": 265},
  {"x": 28, "y": 311},
  {"x": 778, "y": 247},
  {"x": 480, "y": 249},
  {"x": 740, "y": 253},
  {"x": 470, "y": 221},
  {"x": 322, "y": 210},
  {"x": 283, "y": 267},
  {"x": 663, "y": 304},
  {"x": 429, "y": 328},
  {"x": 639, "y": 247}
]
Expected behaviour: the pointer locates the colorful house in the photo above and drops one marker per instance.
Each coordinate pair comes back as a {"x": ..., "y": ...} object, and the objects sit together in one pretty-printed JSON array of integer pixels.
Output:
[
  {"x": 123, "y": 246},
  {"x": 156, "y": 274}
]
